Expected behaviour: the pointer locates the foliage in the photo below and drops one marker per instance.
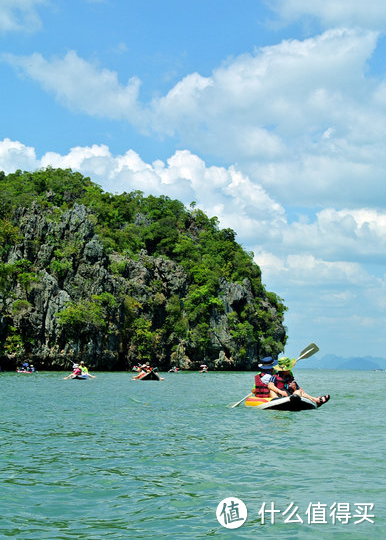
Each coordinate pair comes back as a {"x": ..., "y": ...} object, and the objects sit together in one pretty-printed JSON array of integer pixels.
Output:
[
  {"x": 9, "y": 235},
  {"x": 6, "y": 272},
  {"x": 82, "y": 316},
  {"x": 21, "y": 306},
  {"x": 132, "y": 227},
  {"x": 13, "y": 343},
  {"x": 144, "y": 338}
]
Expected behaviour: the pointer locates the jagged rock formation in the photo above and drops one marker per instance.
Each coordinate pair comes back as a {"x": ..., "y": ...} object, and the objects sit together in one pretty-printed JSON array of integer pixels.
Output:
[{"x": 66, "y": 295}]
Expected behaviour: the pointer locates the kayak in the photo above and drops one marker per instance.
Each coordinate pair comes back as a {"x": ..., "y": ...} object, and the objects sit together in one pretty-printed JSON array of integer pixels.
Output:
[
  {"x": 23, "y": 371},
  {"x": 150, "y": 376},
  {"x": 80, "y": 377},
  {"x": 288, "y": 403}
]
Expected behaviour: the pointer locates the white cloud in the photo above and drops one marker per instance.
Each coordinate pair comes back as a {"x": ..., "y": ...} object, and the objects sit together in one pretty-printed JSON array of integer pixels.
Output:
[
  {"x": 339, "y": 305},
  {"x": 20, "y": 15},
  {"x": 301, "y": 269},
  {"x": 15, "y": 155},
  {"x": 282, "y": 90},
  {"x": 226, "y": 193},
  {"x": 259, "y": 219},
  {"x": 302, "y": 122},
  {"x": 82, "y": 86},
  {"x": 352, "y": 235},
  {"x": 301, "y": 118},
  {"x": 319, "y": 265},
  {"x": 334, "y": 13}
]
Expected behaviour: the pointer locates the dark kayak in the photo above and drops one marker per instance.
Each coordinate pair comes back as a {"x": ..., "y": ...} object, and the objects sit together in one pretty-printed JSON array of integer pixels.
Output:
[
  {"x": 149, "y": 376},
  {"x": 288, "y": 403}
]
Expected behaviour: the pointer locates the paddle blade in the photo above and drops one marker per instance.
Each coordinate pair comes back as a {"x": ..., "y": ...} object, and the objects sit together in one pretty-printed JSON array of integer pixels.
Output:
[
  {"x": 308, "y": 351},
  {"x": 238, "y": 403}
]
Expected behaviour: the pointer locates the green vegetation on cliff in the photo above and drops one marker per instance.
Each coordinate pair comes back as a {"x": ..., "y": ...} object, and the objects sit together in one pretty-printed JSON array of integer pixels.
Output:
[{"x": 119, "y": 279}]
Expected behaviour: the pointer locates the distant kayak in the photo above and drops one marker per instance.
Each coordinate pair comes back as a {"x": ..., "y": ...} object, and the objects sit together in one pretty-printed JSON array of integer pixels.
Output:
[
  {"x": 149, "y": 376},
  {"x": 24, "y": 371},
  {"x": 288, "y": 403}
]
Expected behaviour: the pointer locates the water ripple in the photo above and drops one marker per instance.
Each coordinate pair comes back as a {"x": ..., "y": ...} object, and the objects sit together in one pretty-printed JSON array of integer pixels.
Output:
[{"x": 153, "y": 460}]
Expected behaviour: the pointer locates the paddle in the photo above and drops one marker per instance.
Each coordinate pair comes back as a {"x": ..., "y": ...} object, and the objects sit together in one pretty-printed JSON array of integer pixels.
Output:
[
  {"x": 241, "y": 400},
  {"x": 305, "y": 353},
  {"x": 308, "y": 351}
]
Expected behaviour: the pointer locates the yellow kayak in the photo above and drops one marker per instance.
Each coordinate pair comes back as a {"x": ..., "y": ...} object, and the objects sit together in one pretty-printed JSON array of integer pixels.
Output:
[{"x": 288, "y": 403}]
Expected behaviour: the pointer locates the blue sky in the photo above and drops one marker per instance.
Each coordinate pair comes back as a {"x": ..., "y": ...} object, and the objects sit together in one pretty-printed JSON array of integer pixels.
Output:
[{"x": 270, "y": 115}]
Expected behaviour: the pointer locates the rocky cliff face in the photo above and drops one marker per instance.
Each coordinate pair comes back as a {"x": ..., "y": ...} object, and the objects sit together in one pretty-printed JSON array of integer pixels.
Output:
[{"x": 67, "y": 298}]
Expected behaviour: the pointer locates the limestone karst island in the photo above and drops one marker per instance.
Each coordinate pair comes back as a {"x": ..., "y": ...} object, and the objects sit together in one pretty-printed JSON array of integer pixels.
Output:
[{"x": 119, "y": 279}]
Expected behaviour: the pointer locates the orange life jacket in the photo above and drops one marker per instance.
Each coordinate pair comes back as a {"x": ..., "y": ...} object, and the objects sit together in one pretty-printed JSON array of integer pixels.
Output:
[
  {"x": 260, "y": 389},
  {"x": 283, "y": 383}
]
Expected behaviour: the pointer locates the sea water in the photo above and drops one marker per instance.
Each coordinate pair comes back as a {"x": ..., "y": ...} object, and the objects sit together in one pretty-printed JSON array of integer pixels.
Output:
[{"x": 115, "y": 458}]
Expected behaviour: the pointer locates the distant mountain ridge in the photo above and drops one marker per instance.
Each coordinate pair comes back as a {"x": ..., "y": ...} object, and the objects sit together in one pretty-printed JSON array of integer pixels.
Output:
[{"x": 332, "y": 361}]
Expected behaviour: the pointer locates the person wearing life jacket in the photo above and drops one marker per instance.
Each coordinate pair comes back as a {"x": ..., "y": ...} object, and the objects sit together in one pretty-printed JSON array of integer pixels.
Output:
[
  {"x": 85, "y": 370},
  {"x": 284, "y": 376},
  {"x": 265, "y": 380},
  {"x": 174, "y": 369},
  {"x": 143, "y": 370},
  {"x": 285, "y": 380},
  {"x": 75, "y": 373}
]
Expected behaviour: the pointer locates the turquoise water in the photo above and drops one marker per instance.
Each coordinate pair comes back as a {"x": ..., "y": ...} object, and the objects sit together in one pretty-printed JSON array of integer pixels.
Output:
[{"x": 111, "y": 457}]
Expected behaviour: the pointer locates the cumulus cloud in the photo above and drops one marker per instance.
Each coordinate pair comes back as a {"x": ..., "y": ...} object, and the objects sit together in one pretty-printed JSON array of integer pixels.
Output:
[
  {"x": 318, "y": 265},
  {"x": 299, "y": 124},
  {"x": 339, "y": 303},
  {"x": 20, "y": 15},
  {"x": 15, "y": 155},
  {"x": 353, "y": 235},
  {"x": 220, "y": 191},
  {"x": 260, "y": 220},
  {"x": 82, "y": 86},
  {"x": 293, "y": 91},
  {"x": 301, "y": 118},
  {"x": 332, "y": 13},
  {"x": 260, "y": 89}
]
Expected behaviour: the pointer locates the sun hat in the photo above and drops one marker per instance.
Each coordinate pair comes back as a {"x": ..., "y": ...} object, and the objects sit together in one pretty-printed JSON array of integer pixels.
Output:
[
  {"x": 267, "y": 363},
  {"x": 285, "y": 364}
]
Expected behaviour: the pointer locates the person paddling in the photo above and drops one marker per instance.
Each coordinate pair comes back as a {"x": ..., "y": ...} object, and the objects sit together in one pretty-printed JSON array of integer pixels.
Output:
[
  {"x": 285, "y": 380},
  {"x": 265, "y": 380},
  {"x": 85, "y": 370},
  {"x": 77, "y": 372},
  {"x": 143, "y": 370}
]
